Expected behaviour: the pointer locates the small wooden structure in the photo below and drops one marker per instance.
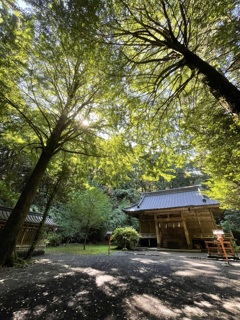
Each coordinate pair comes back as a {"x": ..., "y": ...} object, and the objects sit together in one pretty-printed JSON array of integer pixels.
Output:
[
  {"x": 29, "y": 229},
  {"x": 181, "y": 218},
  {"x": 221, "y": 247}
]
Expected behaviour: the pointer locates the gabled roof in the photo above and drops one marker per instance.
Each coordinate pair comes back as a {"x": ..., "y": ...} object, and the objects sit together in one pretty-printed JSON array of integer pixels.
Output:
[
  {"x": 32, "y": 217},
  {"x": 170, "y": 199}
]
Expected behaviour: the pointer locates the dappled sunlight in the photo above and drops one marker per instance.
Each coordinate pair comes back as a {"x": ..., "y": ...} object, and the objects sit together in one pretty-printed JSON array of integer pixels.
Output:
[
  {"x": 91, "y": 272},
  {"x": 198, "y": 264},
  {"x": 104, "y": 279},
  {"x": 214, "y": 297},
  {"x": 142, "y": 270},
  {"x": 232, "y": 305},
  {"x": 229, "y": 305},
  {"x": 149, "y": 305},
  {"x": 109, "y": 284},
  {"x": 222, "y": 283},
  {"x": 191, "y": 311},
  {"x": 43, "y": 261},
  {"x": 25, "y": 314},
  {"x": 138, "y": 279},
  {"x": 194, "y": 268},
  {"x": 186, "y": 273},
  {"x": 235, "y": 263},
  {"x": 157, "y": 281},
  {"x": 193, "y": 273},
  {"x": 63, "y": 274},
  {"x": 139, "y": 287},
  {"x": 203, "y": 304},
  {"x": 201, "y": 265},
  {"x": 235, "y": 282},
  {"x": 79, "y": 269},
  {"x": 146, "y": 261},
  {"x": 166, "y": 253},
  {"x": 82, "y": 293}
]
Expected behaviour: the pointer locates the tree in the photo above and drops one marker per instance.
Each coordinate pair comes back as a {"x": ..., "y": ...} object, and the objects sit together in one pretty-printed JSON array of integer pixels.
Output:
[
  {"x": 40, "y": 227},
  {"x": 174, "y": 44},
  {"x": 60, "y": 89},
  {"x": 84, "y": 214},
  {"x": 121, "y": 198},
  {"x": 215, "y": 140},
  {"x": 183, "y": 65},
  {"x": 231, "y": 223},
  {"x": 16, "y": 157}
]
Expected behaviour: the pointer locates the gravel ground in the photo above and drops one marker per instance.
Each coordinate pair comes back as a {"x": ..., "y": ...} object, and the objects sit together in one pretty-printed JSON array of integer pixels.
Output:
[{"x": 132, "y": 286}]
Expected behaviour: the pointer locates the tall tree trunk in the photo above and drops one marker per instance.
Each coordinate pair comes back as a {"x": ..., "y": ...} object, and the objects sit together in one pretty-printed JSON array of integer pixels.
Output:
[
  {"x": 221, "y": 88},
  {"x": 41, "y": 224},
  {"x": 9, "y": 234}
]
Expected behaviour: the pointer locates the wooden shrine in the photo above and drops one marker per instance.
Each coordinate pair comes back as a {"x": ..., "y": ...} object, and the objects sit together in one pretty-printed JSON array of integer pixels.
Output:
[
  {"x": 29, "y": 229},
  {"x": 181, "y": 218}
]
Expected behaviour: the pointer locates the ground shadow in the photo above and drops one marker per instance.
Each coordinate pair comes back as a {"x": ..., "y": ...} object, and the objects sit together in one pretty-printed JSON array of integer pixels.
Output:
[{"x": 122, "y": 286}]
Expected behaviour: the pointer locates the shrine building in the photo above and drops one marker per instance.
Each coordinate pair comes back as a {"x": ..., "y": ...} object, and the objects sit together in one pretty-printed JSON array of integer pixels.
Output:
[
  {"x": 181, "y": 218},
  {"x": 28, "y": 230}
]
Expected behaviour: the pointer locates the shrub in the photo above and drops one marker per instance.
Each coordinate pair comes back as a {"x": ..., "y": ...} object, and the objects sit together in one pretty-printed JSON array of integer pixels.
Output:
[
  {"x": 126, "y": 238},
  {"x": 53, "y": 239}
]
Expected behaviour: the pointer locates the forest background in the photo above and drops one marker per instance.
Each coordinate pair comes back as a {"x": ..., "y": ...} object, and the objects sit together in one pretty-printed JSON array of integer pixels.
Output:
[{"x": 105, "y": 98}]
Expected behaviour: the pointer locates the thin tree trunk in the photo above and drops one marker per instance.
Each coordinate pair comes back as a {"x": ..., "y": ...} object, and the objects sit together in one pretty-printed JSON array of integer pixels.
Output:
[
  {"x": 86, "y": 236},
  {"x": 41, "y": 224},
  {"x": 84, "y": 242},
  {"x": 9, "y": 234}
]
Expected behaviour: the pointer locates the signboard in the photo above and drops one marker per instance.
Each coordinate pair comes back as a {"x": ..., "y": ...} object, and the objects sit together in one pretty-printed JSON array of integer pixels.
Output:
[{"x": 218, "y": 232}]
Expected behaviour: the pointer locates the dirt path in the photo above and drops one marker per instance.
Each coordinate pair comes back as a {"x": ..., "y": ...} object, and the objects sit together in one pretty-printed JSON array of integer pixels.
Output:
[{"x": 122, "y": 286}]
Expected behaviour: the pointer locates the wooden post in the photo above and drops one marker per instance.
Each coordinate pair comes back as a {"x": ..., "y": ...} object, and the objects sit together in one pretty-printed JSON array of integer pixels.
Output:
[
  {"x": 23, "y": 236},
  {"x": 157, "y": 231},
  {"x": 189, "y": 244},
  {"x": 149, "y": 242}
]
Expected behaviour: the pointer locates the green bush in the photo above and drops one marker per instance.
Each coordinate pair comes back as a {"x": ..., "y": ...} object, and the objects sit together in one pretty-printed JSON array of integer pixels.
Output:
[
  {"x": 126, "y": 238},
  {"x": 53, "y": 239}
]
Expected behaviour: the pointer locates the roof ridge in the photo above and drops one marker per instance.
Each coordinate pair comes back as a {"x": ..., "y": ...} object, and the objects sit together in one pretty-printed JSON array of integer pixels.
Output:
[
  {"x": 174, "y": 190},
  {"x": 11, "y": 209}
]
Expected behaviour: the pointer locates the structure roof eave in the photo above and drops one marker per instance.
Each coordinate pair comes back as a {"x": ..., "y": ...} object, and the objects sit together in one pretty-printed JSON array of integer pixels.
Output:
[{"x": 131, "y": 210}]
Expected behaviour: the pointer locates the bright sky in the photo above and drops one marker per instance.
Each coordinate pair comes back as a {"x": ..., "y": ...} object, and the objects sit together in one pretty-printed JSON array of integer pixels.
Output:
[{"x": 22, "y": 4}]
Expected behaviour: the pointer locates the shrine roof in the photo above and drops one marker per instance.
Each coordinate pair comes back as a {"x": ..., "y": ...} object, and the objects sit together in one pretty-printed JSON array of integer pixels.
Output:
[
  {"x": 32, "y": 217},
  {"x": 172, "y": 198}
]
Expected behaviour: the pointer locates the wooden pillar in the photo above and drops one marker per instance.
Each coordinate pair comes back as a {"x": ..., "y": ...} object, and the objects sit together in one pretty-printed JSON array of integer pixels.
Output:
[
  {"x": 189, "y": 244},
  {"x": 23, "y": 236},
  {"x": 157, "y": 231}
]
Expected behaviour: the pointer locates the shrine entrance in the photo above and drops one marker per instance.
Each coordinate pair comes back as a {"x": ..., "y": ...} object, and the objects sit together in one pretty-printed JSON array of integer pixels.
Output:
[{"x": 173, "y": 236}]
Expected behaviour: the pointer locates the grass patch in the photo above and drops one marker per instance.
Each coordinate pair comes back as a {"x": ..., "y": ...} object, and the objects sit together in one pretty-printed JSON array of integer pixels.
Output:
[{"x": 78, "y": 249}]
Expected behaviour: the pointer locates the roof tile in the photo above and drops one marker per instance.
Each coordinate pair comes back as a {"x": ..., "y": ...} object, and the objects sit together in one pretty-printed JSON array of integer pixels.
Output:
[
  {"x": 32, "y": 217},
  {"x": 172, "y": 198}
]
